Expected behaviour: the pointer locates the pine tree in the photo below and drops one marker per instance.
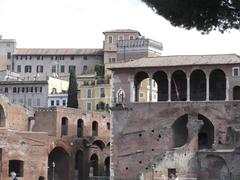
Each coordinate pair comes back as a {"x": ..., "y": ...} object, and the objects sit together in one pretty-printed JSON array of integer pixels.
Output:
[{"x": 72, "y": 91}]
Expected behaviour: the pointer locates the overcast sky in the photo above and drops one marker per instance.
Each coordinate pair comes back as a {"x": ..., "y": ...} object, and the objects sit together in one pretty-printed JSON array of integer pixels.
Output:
[{"x": 80, "y": 23}]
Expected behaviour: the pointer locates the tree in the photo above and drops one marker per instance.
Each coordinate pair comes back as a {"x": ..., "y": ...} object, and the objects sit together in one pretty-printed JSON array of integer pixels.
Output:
[
  {"x": 99, "y": 69},
  {"x": 204, "y": 15},
  {"x": 72, "y": 91}
]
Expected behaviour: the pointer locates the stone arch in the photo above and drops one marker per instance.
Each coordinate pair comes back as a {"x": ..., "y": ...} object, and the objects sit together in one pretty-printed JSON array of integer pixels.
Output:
[
  {"x": 79, "y": 164},
  {"x": 236, "y": 93},
  {"x": 217, "y": 167},
  {"x": 180, "y": 131},
  {"x": 94, "y": 166},
  {"x": 94, "y": 128},
  {"x": 217, "y": 85},
  {"x": 107, "y": 166},
  {"x": 2, "y": 117},
  {"x": 161, "y": 79},
  {"x": 100, "y": 144},
  {"x": 206, "y": 133},
  {"x": 197, "y": 85},
  {"x": 64, "y": 126},
  {"x": 139, "y": 77},
  {"x": 58, "y": 163},
  {"x": 179, "y": 86},
  {"x": 80, "y": 128}
]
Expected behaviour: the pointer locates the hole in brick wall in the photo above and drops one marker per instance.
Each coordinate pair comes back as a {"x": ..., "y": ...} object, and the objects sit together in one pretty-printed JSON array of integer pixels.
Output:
[
  {"x": 152, "y": 149},
  {"x": 146, "y": 168},
  {"x": 140, "y": 162},
  {"x": 126, "y": 168},
  {"x": 157, "y": 139},
  {"x": 153, "y": 131},
  {"x": 159, "y": 136},
  {"x": 140, "y": 135}
]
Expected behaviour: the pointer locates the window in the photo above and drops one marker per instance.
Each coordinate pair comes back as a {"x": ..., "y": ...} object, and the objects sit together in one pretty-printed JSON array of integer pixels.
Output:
[
  {"x": 9, "y": 55},
  {"x": 131, "y": 37},
  {"x": 19, "y": 68},
  {"x": 64, "y": 102},
  {"x": 108, "y": 126},
  {"x": 57, "y": 103},
  {"x": 23, "y": 89},
  {"x": 235, "y": 71},
  {"x": 38, "y": 57},
  {"x": 14, "y": 90},
  {"x": 8, "y": 67},
  {"x": 28, "y": 69},
  {"x": 72, "y": 57},
  {"x": 120, "y": 37},
  {"x": 62, "y": 68},
  {"x": 112, "y": 60},
  {"x": 102, "y": 92},
  {"x": 35, "y": 89},
  {"x": 110, "y": 39},
  {"x": 72, "y": 68},
  {"x": 89, "y": 106},
  {"x": 16, "y": 57},
  {"x": 40, "y": 89},
  {"x": 54, "y": 69},
  {"x": 6, "y": 90},
  {"x": 85, "y": 68},
  {"x": 64, "y": 128},
  {"x": 85, "y": 57},
  {"x": 141, "y": 94},
  {"x": 31, "y": 89},
  {"x": 89, "y": 93},
  {"x": 52, "y": 102},
  {"x": 18, "y": 90},
  {"x": 39, "y": 68}
]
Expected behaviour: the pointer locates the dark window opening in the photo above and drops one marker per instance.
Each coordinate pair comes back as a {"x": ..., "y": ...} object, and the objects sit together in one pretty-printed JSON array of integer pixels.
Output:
[
  {"x": 80, "y": 126},
  {"x": 180, "y": 131},
  {"x": 94, "y": 165},
  {"x": 236, "y": 93},
  {"x": 64, "y": 127},
  {"x": 79, "y": 166},
  {"x": 217, "y": 85},
  {"x": 17, "y": 167},
  {"x": 162, "y": 85},
  {"x": 197, "y": 86},
  {"x": 178, "y": 86},
  {"x": 107, "y": 166},
  {"x": 139, "y": 77},
  {"x": 94, "y": 128},
  {"x": 172, "y": 173}
]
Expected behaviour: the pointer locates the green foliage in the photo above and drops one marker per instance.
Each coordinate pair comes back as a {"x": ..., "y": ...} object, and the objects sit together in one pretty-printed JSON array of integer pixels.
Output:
[
  {"x": 99, "y": 69},
  {"x": 204, "y": 15},
  {"x": 72, "y": 91}
]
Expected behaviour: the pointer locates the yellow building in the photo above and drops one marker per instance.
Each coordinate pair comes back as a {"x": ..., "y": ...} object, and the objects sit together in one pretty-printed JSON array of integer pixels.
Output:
[{"x": 95, "y": 95}]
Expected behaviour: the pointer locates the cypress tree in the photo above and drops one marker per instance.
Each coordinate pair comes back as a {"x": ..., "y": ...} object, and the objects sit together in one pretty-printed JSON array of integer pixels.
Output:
[{"x": 72, "y": 91}]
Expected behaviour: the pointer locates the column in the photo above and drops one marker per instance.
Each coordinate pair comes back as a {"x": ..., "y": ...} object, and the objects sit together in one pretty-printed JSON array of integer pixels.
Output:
[
  {"x": 169, "y": 89},
  {"x": 150, "y": 89},
  {"x": 188, "y": 89},
  {"x": 227, "y": 88},
  {"x": 207, "y": 88}
]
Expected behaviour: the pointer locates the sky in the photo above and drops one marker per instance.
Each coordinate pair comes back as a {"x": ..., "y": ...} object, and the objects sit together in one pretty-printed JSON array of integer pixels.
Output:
[{"x": 80, "y": 23}]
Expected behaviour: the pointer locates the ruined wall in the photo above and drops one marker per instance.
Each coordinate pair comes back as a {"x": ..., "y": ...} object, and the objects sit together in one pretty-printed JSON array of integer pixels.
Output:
[{"x": 143, "y": 136}]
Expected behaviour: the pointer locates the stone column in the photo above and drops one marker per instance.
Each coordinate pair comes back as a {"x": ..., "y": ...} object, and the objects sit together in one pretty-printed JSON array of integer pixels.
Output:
[
  {"x": 169, "y": 89},
  {"x": 227, "y": 88},
  {"x": 150, "y": 89},
  {"x": 207, "y": 88},
  {"x": 188, "y": 89}
]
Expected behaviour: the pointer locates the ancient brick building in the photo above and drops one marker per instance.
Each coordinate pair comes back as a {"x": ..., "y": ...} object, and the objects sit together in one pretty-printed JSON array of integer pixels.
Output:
[
  {"x": 58, "y": 142},
  {"x": 191, "y": 132}
]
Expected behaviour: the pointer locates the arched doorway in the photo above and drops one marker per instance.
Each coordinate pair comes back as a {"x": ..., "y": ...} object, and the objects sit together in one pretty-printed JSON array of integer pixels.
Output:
[
  {"x": 217, "y": 85},
  {"x": 180, "y": 131},
  {"x": 236, "y": 93},
  {"x": 162, "y": 85},
  {"x": 94, "y": 128},
  {"x": 107, "y": 166},
  {"x": 58, "y": 163},
  {"x": 80, "y": 128},
  {"x": 206, "y": 133},
  {"x": 141, "y": 86},
  {"x": 217, "y": 168},
  {"x": 197, "y": 86},
  {"x": 79, "y": 165},
  {"x": 93, "y": 165},
  {"x": 178, "y": 86}
]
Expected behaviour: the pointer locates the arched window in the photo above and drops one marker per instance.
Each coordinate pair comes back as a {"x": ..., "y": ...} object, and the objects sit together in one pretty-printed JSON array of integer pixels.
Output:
[
  {"x": 80, "y": 126},
  {"x": 217, "y": 85},
  {"x": 236, "y": 93},
  {"x": 180, "y": 131},
  {"x": 178, "y": 86},
  {"x": 161, "y": 80},
  {"x": 107, "y": 166},
  {"x": 79, "y": 164},
  {"x": 64, "y": 126},
  {"x": 2, "y": 117},
  {"x": 197, "y": 86},
  {"x": 94, "y": 165},
  {"x": 141, "y": 91},
  {"x": 94, "y": 128}
]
